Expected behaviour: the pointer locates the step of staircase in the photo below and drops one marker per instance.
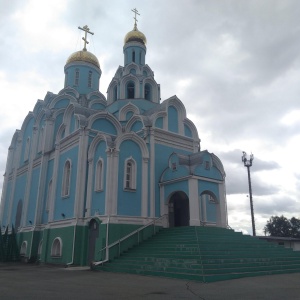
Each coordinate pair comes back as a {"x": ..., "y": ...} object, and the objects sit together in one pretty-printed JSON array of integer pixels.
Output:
[{"x": 205, "y": 254}]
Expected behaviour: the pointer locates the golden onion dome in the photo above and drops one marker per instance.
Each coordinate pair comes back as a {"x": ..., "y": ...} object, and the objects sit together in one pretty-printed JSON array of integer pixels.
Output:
[
  {"x": 85, "y": 56},
  {"x": 135, "y": 36}
]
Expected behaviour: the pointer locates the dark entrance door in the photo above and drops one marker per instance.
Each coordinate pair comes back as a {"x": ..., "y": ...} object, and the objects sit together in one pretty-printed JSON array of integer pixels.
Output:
[
  {"x": 93, "y": 235},
  {"x": 179, "y": 210}
]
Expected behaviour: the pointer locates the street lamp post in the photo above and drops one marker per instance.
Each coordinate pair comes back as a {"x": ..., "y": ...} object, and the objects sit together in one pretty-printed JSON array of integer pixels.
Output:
[{"x": 248, "y": 164}]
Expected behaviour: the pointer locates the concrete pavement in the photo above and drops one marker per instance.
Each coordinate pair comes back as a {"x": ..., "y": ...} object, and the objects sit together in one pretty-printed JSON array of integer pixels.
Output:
[{"x": 27, "y": 281}]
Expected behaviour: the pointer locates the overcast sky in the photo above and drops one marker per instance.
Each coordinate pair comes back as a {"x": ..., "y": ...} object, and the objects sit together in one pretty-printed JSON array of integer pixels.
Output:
[{"x": 234, "y": 64}]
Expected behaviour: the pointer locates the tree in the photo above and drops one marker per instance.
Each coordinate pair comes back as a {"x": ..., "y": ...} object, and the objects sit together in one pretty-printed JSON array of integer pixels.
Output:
[{"x": 283, "y": 227}]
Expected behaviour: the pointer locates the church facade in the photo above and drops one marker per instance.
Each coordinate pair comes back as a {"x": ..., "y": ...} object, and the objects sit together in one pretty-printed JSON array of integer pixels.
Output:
[{"x": 85, "y": 170}]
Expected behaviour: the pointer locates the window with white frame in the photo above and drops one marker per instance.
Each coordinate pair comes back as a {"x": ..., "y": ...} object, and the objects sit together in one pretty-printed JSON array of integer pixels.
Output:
[
  {"x": 23, "y": 249},
  {"x": 66, "y": 179},
  {"x": 40, "y": 248},
  {"x": 130, "y": 174},
  {"x": 76, "y": 77},
  {"x": 56, "y": 249},
  {"x": 90, "y": 79},
  {"x": 99, "y": 175}
]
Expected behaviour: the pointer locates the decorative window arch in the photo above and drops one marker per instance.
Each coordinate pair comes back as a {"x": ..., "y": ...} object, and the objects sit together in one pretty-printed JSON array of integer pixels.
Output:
[
  {"x": 148, "y": 92},
  {"x": 130, "y": 90},
  {"x": 23, "y": 249},
  {"x": 99, "y": 175},
  {"x": 56, "y": 249},
  {"x": 26, "y": 152},
  {"x": 66, "y": 179},
  {"x": 76, "y": 77},
  {"x": 90, "y": 79},
  {"x": 130, "y": 174}
]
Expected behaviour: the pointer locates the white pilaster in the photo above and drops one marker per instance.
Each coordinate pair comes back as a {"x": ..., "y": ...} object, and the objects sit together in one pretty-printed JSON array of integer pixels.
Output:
[
  {"x": 193, "y": 202},
  {"x": 145, "y": 187}
]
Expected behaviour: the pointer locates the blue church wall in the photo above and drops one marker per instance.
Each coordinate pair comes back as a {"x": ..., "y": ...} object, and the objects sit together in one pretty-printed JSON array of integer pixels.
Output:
[
  {"x": 49, "y": 176},
  {"x": 211, "y": 211},
  {"x": 175, "y": 187},
  {"x": 159, "y": 123},
  {"x": 204, "y": 187},
  {"x": 98, "y": 197},
  {"x": 129, "y": 202},
  {"x": 4, "y": 221},
  {"x": 137, "y": 126},
  {"x": 82, "y": 86},
  {"x": 187, "y": 131},
  {"x": 138, "y": 57},
  {"x": 104, "y": 125},
  {"x": 62, "y": 103},
  {"x": 212, "y": 172},
  {"x": 98, "y": 106},
  {"x": 27, "y": 134},
  {"x": 33, "y": 195},
  {"x": 19, "y": 194},
  {"x": 209, "y": 186},
  {"x": 162, "y": 154},
  {"x": 172, "y": 119},
  {"x": 66, "y": 204}
]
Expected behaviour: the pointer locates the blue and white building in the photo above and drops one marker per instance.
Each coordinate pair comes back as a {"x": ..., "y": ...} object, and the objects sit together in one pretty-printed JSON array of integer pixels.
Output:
[{"x": 82, "y": 161}]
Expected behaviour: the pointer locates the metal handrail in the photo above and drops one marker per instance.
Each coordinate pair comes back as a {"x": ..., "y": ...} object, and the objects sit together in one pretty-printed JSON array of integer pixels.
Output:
[{"x": 137, "y": 231}]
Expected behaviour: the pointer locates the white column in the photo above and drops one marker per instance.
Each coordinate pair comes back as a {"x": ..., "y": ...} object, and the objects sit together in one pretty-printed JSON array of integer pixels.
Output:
[
  {"x": 114, "y": 182},
  {"x": 108, "y": 185},
  {"x": 81, "y": 174},
  {"x": 145, "y": 187},
  {"x": 194, "y": 202},
  {"x": 89, "y": 187},
  {"x": 54, "y": 183},
  {"x": 152, "y": 173}
]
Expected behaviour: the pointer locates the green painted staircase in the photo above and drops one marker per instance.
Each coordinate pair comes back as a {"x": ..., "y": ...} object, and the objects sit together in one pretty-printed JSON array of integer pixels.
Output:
[{"x": 204, "y": 254}]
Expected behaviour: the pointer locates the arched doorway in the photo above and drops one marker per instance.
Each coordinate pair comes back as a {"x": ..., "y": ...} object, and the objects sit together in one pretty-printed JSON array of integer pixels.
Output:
[
  {"x": 93, "y": 235},
  {"x": 179, "y": 210}
]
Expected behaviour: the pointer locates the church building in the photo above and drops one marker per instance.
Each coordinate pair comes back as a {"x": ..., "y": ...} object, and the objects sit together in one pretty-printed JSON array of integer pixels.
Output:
[{"x": 84, "y": 169}]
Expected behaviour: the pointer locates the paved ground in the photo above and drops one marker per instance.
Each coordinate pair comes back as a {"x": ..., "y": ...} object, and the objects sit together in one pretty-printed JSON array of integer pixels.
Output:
[{"x": 19, "y": 281}]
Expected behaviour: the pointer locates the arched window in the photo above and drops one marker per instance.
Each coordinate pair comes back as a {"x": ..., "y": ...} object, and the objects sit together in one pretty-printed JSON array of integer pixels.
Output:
[
  {"x": 49, "y": 195},
  {"x": 27, "y": 146},
  {"x": 140, "y": 60},
  {"x": 23, "y": 249},
  {"x": 115, "y": 93},
  {"x": 99, "y": 175},
  {"x": 147, "y": 91},
  {"x": 130, "y": 174},
  {"x": 130, "y": 90},
  {"x": 56, "y": 249},
  {"x": 76, "y": 77},
  {"x": 66, "y": 179},
  {"x": 90, "y": 79},
  {"x": 19, "y": 214},
  {"x": 133, "y": 56},
  {"x": 40, "y": 248},
  {"x": 41, "y": 139}
]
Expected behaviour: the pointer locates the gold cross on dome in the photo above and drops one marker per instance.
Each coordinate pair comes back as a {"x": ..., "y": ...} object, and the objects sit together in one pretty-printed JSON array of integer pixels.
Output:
[
  {"x": 135, "y": 13},
  {"x": 86, "y": 31}
]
